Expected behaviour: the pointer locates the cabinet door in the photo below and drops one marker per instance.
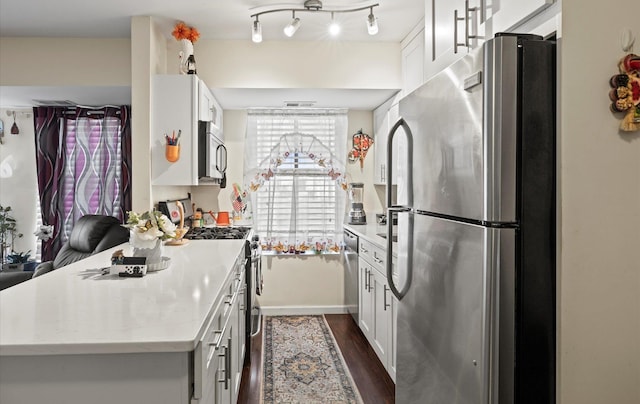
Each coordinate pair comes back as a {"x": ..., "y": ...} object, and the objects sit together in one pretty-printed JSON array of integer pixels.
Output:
[
  {"x": 223, "y": 383},
  {"x": 380, "y": 131},
  {"x": 382, "y": 122},
  {"x": 240, "y": 320},
  {"x": 507, "y": 14},
  {"x": 205, "y": 102},
  {"x": 393, "y": 337},
  {"x": 174, "y": 109},
  {"x": 413, "y": 64},
  {"x": 382, "y": 315},
  {"x": 442, "y": 32},
  {"x": 366, "y": 298}
]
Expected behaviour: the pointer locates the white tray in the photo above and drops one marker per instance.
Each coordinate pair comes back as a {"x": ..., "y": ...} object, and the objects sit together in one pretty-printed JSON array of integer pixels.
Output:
[{"x": 164, "y": 264}]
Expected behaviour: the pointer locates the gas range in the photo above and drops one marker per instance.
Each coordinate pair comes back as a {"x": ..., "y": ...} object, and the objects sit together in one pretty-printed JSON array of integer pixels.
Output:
[
  {"x": 218, "y": 233},
  {"x": 253, "y": 268}
]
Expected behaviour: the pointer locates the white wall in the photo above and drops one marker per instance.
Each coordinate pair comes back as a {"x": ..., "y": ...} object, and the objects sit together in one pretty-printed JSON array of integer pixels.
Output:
[
  {"x": 18, "y": 181},
  {"x": 295, "y": 64},
  {"x": 599, "y": 183},
  {"x": 65, "y": 62}
]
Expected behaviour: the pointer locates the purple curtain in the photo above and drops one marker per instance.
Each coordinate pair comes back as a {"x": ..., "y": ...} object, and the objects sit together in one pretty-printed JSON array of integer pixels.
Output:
[{"x": 84, "y": 166}]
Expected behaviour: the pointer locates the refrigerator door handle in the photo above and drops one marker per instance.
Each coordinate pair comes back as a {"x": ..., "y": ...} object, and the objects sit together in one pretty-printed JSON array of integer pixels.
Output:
[{"x": 399, "y": 209}]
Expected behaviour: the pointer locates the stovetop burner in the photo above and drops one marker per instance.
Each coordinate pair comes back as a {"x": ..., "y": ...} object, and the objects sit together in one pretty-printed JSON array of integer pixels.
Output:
[{"x": 217, "y": 233}]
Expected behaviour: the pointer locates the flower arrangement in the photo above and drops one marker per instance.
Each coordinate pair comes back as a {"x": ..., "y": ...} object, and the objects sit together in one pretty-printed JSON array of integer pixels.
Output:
[
  {"x": 149, "y": 227},
  {"x": 182, "y": 31},
  {"x": 44, "y": 233}
]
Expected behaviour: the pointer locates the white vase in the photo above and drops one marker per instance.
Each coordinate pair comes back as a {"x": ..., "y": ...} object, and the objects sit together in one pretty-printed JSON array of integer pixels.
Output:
[
  {"x": 153, "y": 254},
  {"x": 183, "y": 55}
]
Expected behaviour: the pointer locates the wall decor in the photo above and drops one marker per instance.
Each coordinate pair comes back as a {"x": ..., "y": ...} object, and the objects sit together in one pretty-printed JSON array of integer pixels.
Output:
[
  {"x": 361, "y": 144},
  {"x": 625, "y": 93}
]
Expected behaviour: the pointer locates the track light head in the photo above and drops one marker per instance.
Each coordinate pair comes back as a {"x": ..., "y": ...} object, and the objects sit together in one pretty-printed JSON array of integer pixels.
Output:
[
  {"x": 293, "y": 26},
  {"x": 372, "y": 24},
  {"x": 334, "y": 27},
  {"x": 256, "y": 32}
]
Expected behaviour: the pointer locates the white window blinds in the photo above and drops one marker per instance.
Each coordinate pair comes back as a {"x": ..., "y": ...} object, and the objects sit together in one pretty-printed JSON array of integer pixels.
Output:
[{"x": 297, "y": 178}]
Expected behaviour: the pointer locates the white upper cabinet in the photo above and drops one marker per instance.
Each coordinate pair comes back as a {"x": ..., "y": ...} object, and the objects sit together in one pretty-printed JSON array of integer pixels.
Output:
[
  {"x": 179, "y": 102},
  {"x": 208, "y": 108},
  {"x": 413, "y": 60},
  {"x": 382, "y": 122},
  {"x": 453, "y": 27},
  {"x": 450, "y": 26},
  {"x": 505, "y": 15}
]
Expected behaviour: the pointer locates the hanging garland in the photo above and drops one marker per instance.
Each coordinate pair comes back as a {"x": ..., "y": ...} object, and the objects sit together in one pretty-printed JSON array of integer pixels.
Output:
[{"x": 328, "y": 165}]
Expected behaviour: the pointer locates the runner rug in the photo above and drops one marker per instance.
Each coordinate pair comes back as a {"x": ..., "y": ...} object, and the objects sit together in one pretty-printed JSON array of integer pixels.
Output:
[{"x": 303, "y": 364}]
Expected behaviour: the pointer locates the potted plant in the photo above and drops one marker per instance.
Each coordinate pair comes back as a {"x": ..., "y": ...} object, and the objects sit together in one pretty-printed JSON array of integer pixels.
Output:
[
  {"x": 8, "y": 232},
  {"x": 20, "y": 262}
]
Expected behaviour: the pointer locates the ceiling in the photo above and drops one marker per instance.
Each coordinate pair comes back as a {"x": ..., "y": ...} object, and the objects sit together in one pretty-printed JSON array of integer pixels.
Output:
[{"x": 214, "y": 19}]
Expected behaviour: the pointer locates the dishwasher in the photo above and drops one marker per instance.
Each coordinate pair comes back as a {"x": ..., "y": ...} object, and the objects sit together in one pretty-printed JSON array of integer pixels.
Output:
[{"x": 351, "y": 274}]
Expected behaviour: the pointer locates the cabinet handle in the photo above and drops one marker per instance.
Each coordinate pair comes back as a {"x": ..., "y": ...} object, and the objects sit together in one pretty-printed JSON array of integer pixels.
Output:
[
  {"x": 377, "y": 260},
  {"x": 385, "y": 298},
  {"x": 216, "y": 342},
  {"x": 467, "y": 11},
  {"x": 366, "y": 279},
  {"x": 364, "y": 250},
  {"x": 467, "y": 16},
  {"x": 370, "y": 285},
  {"x": 226, "y": 368},
  {"x": 382, "y": 172},
  {"x": 455, "y": 31},
  {"x": 228, "y": 364}
]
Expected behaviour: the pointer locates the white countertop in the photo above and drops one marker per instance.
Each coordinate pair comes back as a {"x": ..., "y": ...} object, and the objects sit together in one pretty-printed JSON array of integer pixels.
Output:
[
  {"x": 76, "y": 310},
  {"x": 370, "y": 232}
]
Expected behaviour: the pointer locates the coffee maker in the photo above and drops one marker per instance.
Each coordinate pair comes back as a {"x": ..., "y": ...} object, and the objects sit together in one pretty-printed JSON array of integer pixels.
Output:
[{"x": 356, "y": 194}]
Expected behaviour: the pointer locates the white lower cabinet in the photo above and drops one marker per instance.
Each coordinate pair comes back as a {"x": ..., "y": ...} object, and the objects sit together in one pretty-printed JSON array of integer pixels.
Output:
[
  {"x": 219, "y": 357},
  {"x": 380, "y": 334},
  {"x": 378, "y": 306},
  {"x": 365, "y": 303}
]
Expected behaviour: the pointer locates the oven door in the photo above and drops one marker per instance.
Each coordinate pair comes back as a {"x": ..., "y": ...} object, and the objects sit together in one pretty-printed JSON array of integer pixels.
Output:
[{"x": 212, "y": 154}]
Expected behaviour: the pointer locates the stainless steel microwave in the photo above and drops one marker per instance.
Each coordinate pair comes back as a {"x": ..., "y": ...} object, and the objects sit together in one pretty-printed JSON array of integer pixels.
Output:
[{"x": 212, "y": 154}]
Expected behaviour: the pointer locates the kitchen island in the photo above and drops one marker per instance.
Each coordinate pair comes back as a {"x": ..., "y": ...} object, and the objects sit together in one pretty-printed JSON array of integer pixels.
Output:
[{"x": 75, "y": 335}]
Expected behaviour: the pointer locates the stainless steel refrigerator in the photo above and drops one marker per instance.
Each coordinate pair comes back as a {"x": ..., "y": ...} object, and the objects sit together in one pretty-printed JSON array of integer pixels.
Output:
[{"x": 476, "y": 229}]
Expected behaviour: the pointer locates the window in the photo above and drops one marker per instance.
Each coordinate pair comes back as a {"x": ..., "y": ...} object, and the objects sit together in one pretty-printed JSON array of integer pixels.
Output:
[
  {"x": 83, "y": 158},
  {"x": 296, "y": 178}
]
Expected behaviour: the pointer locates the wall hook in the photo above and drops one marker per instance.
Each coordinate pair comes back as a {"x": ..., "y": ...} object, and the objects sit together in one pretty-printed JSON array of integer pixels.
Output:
[{"x": 627, "y": 39}]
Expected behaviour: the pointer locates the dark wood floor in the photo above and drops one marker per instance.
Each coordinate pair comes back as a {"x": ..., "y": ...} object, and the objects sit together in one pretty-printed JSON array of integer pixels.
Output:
[{"x": 368, "y": 373}]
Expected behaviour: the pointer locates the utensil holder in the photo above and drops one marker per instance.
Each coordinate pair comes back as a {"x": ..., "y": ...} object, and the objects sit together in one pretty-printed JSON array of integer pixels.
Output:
[{"x": 172, "y": 153}]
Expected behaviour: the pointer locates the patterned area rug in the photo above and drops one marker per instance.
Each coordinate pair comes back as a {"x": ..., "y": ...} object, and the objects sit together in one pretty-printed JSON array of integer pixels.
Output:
[{"x": 302, "y": 363}]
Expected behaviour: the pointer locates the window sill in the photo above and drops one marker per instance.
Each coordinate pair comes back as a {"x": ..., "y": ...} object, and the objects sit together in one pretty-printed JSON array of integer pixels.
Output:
[{"x": 297, "y": 254}]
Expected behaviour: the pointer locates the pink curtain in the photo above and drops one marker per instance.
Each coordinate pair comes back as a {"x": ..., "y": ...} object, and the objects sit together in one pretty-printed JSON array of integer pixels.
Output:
[{"x": 83, "y": 159}]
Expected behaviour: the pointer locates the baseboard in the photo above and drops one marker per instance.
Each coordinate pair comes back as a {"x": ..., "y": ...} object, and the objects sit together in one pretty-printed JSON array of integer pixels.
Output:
[{"x": 302, "y": 310}]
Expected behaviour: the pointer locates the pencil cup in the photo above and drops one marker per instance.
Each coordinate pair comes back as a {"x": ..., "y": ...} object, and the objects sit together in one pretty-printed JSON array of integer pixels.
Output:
[{"x": 172, "y": 153}]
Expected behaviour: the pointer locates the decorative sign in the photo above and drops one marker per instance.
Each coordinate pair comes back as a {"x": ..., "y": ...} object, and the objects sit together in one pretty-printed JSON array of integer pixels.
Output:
[{"x": 625, "y": 95}]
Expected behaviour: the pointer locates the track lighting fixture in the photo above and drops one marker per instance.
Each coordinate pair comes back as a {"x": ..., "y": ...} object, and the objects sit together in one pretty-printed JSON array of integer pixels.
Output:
[
  {"x": 293, "y": 26},
  {"x": 313, "y": 6}
]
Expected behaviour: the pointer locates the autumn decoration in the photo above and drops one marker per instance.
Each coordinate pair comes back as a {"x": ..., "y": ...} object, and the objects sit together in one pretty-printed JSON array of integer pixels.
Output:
[
  {"x": 625, "y": 93},
  {"x": 361, "y": 144},
  {"x": 187, "y": 36}
]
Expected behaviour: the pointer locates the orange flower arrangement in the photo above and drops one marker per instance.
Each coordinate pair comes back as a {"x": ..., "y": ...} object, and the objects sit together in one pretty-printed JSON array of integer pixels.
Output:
[{"x": 182, "y": 31}]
